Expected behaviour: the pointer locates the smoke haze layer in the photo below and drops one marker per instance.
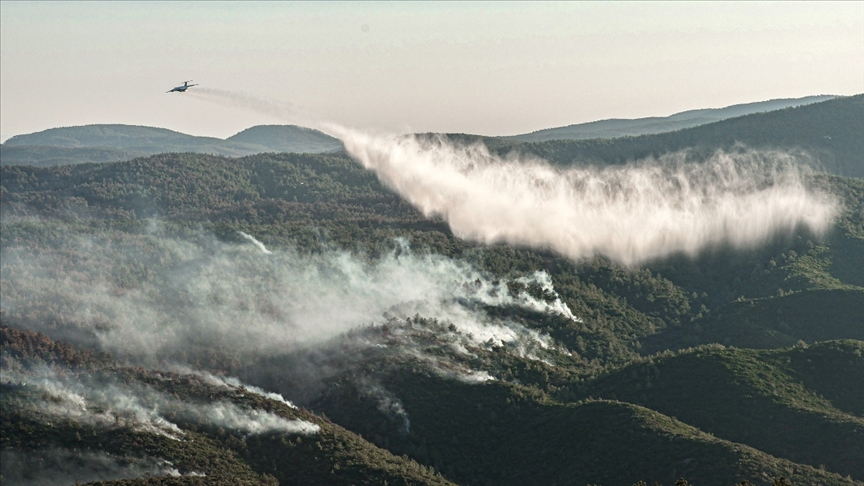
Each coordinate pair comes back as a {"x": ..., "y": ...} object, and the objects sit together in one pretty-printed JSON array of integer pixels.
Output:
[
  {"x": 631, "y": 213},
  {"x": 196, "y": 297}
]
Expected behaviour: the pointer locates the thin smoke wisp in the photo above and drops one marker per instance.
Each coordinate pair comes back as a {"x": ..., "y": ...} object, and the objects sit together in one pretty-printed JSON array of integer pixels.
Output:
[
  {"x": 234, "y": 99},
  {"x": 255, "y": 242}
]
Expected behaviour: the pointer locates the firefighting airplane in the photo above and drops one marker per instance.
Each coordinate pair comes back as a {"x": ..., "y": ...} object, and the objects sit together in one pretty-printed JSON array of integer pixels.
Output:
[{"x": 183, "y": 87}]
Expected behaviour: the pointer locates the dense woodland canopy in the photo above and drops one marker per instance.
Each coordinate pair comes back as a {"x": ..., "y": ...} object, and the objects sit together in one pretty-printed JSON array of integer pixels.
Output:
[{"x": 735, "y": 365}]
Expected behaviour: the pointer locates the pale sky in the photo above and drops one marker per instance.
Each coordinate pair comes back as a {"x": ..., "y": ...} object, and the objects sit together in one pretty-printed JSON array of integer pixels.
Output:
[{"x": 486, "y": 68}]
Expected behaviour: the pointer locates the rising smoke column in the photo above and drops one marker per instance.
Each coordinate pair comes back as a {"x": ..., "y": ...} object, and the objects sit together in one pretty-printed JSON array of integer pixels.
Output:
[{"x": 630, "y": 214}]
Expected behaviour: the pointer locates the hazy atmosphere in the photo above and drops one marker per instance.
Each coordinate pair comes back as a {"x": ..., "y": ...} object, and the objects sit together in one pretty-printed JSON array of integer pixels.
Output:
[
  {"x": 487, "y": 68},
  {"x": 432, "y": 244}
]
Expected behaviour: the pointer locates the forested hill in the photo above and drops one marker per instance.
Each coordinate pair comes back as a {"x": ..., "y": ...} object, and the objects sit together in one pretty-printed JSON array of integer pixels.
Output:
[
  {"x": 287, "y": 138},
  {"x": 614, "y": 128},
  {"x": 257, "y": 440},
  {"x": 153, "y": 308},
  {"x": 108, "y": 143},
  {"x": 645, "y": 380},
  {"x": 831, "y": 132}
]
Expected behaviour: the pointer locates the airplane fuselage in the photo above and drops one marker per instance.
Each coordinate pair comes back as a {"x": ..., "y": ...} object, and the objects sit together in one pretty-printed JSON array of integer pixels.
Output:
[{"x": 182, "y": 88}]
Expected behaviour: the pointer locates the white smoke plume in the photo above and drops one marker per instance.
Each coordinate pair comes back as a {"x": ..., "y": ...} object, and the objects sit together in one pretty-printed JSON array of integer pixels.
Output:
[
  {"x": 630, "y": 214},
  {"x": 235, "y": 383},
  {"x": 103, "y": 403},
  {"x": 255, "y": 242},
  {"x": 208, "y": 294},
  {"x": 452, "y": 369},
  {"x": 555, "y": 306},
  {"x": 252, "y": 422}
]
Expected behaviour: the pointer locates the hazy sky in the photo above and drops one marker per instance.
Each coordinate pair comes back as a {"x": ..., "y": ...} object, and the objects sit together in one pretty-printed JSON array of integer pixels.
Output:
[{"x": 488, "y": 68}]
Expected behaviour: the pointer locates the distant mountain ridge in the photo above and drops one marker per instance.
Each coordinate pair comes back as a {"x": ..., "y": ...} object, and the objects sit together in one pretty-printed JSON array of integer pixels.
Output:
[
  {"x": 828, "y": 132},
  {"x": 112, "y": 143},
  {"x": 827, "y": 127},
  {"x": 614, "y": 128},
  {"x": 287, "y": 138}
]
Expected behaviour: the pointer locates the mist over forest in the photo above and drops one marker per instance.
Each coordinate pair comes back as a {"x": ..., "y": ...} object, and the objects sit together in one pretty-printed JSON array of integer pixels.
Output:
[{"x": 329, "y": 306}]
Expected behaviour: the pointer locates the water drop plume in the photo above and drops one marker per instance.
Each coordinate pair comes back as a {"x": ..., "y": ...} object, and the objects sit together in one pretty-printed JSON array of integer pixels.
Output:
[{"x": 631, "y": 213}]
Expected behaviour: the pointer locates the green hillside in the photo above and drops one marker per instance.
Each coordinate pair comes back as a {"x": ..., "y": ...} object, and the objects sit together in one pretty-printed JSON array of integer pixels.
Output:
[
  {"x": 505, "y": 434},
  {"x": 294, "y": 200},
  {"x": 567, "y": 401},
  {"x": 615, "y": 128},
  {"x": 809, "y": 316},
  {"x": 193, "y": 449},
  {"x": 495, "y": 433},
  {"x": 755, "y": 397},
  {"x": 287, "y": 138}
]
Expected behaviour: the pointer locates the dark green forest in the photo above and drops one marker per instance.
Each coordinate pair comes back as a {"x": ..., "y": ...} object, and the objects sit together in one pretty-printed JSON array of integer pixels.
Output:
[{"x": 734, "y": 365}]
